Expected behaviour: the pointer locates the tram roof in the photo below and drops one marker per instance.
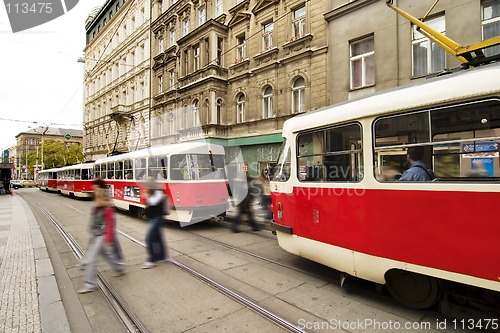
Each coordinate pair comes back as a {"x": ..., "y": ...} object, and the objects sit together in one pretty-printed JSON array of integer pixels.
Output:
[
  {"x": 163, "y": 150},
  {"x": 462, "y": 85},
  {"x": 77, "y": 166}
]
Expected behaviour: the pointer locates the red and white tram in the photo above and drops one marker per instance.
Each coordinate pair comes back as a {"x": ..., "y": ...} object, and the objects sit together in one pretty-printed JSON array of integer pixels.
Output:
[
  {"x": 335, "y": 200},
  {"x": 192, "y": 174},
  {"x": 47, "y": 180},
  {"x": 76, "y": 180}
]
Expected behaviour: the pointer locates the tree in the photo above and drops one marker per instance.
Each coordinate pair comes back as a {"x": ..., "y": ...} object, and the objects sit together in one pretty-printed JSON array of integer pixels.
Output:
[{"x": 57, "y": 154}]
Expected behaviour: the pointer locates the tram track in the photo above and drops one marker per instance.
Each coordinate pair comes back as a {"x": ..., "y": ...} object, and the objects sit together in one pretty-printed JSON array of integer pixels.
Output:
[
  {"x": 234, "y": 295},
  {"x": 126, "y": 315}
]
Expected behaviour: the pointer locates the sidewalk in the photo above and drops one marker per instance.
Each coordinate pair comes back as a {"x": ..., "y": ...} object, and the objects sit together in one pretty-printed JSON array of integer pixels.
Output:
[{"x": 29, "y": 296}]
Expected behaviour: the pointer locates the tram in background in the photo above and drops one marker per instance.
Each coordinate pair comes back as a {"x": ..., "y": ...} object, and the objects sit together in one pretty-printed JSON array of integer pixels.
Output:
[
  {"x": 335, "y": 200},
  {"x": 191, "y": 173},
  {"x": 76, "y": 180},
  {"x": 47, "y": 180}
]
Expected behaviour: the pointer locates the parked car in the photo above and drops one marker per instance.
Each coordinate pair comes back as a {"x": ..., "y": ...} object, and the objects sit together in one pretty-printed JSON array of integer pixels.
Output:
[
  {"x": 16, "y": 183},
  {"x": 28, "y": 183}
]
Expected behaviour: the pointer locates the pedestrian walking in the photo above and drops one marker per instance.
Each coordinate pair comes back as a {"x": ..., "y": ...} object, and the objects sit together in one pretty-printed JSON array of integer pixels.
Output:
[
  {"x": 245, "y": 206},
  {"x": 157, "y": 208},
  {"x": 102, "y": 229}
]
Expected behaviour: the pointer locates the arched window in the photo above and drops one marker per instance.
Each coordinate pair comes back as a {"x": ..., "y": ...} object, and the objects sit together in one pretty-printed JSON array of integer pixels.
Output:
[
  {"x": 267, "y": 102},
  {"x": 142, "y": 130},
  {"x": 240, "y": 108},
  {"x": 184, "y": 118},
  {"x": 218, "y": 119},
  {"x": 298, "y": 90},
  {"x": 196, "y": 113},
  {"x": 171, "y": 123},
  {"x": 206, "y": 112},
  {"x": 159, "y": 125}
]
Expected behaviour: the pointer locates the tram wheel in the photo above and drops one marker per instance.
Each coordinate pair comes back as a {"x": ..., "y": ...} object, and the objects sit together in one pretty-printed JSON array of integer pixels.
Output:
[{"x": 413, "y": 290}]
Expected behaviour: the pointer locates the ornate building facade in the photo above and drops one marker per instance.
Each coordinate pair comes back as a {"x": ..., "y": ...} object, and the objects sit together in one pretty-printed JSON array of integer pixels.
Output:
[
  {"x": 233, "y": 71},
  {"x": 117, "y": 83},
  {"x": 387, "y": 50}
]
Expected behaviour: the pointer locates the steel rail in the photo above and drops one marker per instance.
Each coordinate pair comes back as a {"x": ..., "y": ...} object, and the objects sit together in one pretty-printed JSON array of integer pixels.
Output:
[
  {"x": 274, "y": 318},
  {"x": 131, "y": 322}
]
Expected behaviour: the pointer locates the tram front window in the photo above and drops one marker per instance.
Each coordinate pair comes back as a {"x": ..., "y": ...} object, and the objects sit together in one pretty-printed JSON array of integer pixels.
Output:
[{"x": 281, "y": 172}]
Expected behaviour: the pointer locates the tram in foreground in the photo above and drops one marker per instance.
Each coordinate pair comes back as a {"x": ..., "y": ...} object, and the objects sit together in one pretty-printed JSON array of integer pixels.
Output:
[
  {"x": 336, "y": 200},
  {"x": 76, "y": 180},
  {"x": 192, "y": 175}
]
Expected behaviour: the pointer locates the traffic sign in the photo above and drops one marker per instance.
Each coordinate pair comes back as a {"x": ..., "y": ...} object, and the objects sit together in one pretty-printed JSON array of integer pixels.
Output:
[{"x": 67, "y": 136}]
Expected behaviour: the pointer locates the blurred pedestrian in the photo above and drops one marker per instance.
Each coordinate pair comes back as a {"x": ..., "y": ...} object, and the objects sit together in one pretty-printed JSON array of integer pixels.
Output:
[
  {"x": 245, "y": 206},
  {"x": 265, "y": 196},
  {"x": 157, "y": 208},
  {"x": 102, "y": 230}
]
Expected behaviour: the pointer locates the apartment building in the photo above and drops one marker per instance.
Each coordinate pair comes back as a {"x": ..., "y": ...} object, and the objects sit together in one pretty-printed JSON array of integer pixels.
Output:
[
  {"x": 232, "y": 71},
  {"x": 31, "y": 142},
  {"x": 117, "y": 83},
  {"x": 372, "y": 48}
]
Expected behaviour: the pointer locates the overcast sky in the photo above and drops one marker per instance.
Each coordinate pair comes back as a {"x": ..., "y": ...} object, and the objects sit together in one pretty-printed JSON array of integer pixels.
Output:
[{"x": 40, "y": 79}]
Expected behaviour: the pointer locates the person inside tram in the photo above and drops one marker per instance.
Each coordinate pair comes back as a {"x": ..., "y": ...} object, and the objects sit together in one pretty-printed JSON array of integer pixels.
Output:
[{"x": 418, "y": 171}]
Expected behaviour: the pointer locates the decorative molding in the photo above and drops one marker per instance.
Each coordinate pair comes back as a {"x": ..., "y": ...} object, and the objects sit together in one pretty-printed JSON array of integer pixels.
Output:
[{"x": 263, "y": 4}]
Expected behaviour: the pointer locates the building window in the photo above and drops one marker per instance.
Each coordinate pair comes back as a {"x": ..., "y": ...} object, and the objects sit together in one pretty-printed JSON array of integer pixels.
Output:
[
  {"x": 428, "y": 57},
  {"x": 172, "y": 37},
  {"x": 267, "y": 102},
  {"x": 202, "y": 15},
  {"x": 160, "y": 84},
  {"x": 196, "y": 113},
  {"x": 267, "y": 36},
  {"x": 160, "y": 45},
  {"x": 220, "y": 50},
  {"x": 160, "y": 7},
  {"x": 299, "y": 22},
  {"x": 240, "y": 108},
  {"x": 491, "y": 24},
  {"x": 240, "y": 49},
  {"x": 218, "y": 116},
  {"x": 171, "y": 125},
  {"x": 185, "y": 27},
  {"x": 219, "y": 7},
  {"x": 159, "y": 124},
  {"x": 298, "y": 90},
  {"x": 362, "y": 63},
  {"x": 196, "y": 57},
  {"x": 171, "y": 79},
  {"x": 184, "y": 118}
]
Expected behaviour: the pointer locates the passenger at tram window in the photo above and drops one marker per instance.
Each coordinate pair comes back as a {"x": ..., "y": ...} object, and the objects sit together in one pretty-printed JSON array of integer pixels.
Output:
[
  {"x": 418, "y": 171},
  {"x": 388, "y": 173}
]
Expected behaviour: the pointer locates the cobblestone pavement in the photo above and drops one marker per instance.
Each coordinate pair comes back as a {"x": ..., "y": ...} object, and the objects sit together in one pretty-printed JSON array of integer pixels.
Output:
[{"x": 19, "y": 311}]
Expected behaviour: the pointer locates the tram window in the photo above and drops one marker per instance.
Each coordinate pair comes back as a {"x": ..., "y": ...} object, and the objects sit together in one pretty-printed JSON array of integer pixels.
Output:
[
  {"x": 140, "y": 168},
  {"x": 218, "y": 167},
  {"x": 128, "y": 169},
  {"x": 281, "y": 171},
  {"x": 86, "y": 174},
  {"x": 119, "y": 170},
  {"x": 461, "y": 142},
  {"x": 158, "y": 167},
  {"x": 100, "y": 171},
  {"x": 179, "y": 167},
  {"x": 111, "y": 171},
  {"x": 332, "y": 154},
  {"x": 77, "y": 174}
]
